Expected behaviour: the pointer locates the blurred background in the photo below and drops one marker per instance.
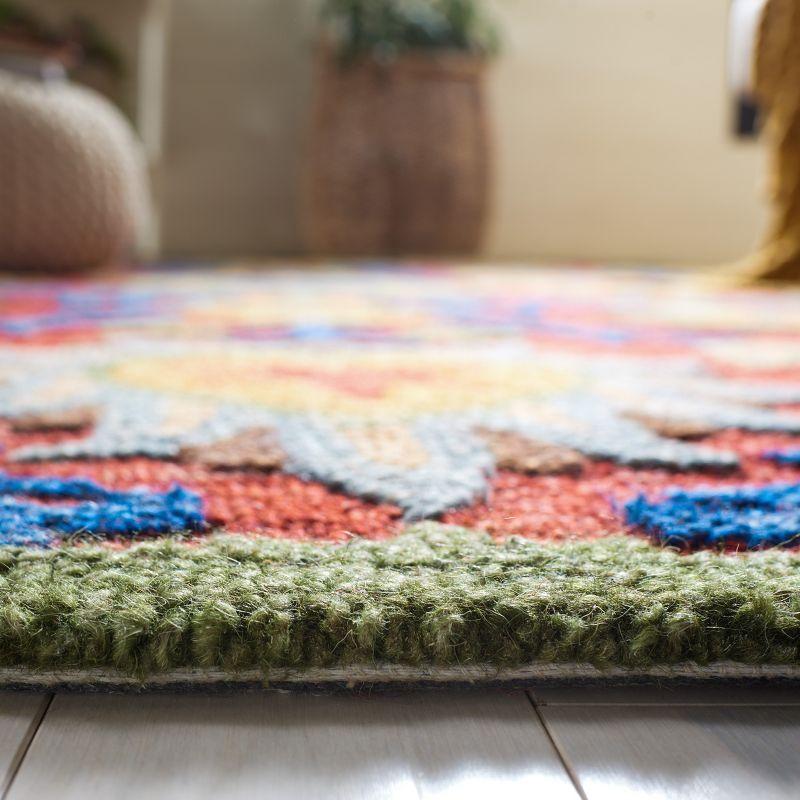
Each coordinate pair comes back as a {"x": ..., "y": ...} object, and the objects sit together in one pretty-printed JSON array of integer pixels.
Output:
[{"x": 601, "y": 129}]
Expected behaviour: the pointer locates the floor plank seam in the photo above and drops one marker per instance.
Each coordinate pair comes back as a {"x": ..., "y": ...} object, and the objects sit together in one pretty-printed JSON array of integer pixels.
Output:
[
  {"x": 665, "y": 704},
  {"x": 25, "y": 745},
  {"x": 561, "y": 755}
]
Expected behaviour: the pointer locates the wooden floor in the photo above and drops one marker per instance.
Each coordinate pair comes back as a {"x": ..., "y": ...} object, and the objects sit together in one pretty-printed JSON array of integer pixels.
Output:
[{"x": 581, "y": 743}]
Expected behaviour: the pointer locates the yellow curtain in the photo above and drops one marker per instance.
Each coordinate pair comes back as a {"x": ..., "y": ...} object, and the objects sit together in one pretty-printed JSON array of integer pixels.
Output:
[{"x": 777, "y": 85}]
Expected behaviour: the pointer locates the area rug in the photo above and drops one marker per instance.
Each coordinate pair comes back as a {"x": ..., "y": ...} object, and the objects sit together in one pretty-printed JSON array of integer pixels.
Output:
[{"x": 397, "y": 473}]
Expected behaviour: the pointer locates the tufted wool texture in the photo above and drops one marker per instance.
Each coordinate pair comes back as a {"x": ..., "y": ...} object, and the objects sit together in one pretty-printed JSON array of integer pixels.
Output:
[
  {"x": 397, "y": 472},
  {"x": 435, "y": 595}
]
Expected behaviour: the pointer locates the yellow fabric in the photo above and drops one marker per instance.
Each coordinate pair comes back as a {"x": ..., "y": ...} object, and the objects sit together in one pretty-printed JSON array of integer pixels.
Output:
[{"x": 777, "y": 83}]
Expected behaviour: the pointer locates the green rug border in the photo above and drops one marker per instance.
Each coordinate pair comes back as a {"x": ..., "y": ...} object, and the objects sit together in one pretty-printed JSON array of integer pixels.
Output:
[{"x": 435, "y": 596}]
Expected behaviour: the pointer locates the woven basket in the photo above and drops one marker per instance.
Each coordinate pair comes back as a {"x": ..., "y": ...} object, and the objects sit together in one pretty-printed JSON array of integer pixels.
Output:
[
  {"x": 399, "y": 159},
  {"x": 73, "y": 183}
]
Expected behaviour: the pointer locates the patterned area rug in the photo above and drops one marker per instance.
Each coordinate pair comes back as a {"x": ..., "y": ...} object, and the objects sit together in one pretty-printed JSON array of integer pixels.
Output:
[{"x": 400, "y": 473}]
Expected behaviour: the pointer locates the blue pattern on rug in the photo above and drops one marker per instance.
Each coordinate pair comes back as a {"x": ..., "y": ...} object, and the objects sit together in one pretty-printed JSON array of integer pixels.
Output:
[
  {"x": 99, "y": 512},
  {"x": 787, "y": 457},
  {"x": 752, "y": 517}
]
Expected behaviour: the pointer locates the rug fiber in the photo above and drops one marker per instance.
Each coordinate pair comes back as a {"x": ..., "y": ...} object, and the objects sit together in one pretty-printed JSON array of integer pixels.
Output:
[{"x": 404, "y": 470}]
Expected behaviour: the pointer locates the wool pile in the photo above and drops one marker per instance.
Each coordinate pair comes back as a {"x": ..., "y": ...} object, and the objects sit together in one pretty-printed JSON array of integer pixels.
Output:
[{"x": 397, "y": 472}]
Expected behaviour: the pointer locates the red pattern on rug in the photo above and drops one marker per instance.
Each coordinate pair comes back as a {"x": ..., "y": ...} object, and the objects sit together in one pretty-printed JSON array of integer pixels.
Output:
[{"x": 544, "y": 507}]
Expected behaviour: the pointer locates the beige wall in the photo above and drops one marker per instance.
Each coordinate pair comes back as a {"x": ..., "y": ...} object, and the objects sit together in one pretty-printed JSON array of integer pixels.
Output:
[
  {"x": 237, "y": 96},
  {"x": 610, "y": 126},
  {"x": 612, "y": 135}
]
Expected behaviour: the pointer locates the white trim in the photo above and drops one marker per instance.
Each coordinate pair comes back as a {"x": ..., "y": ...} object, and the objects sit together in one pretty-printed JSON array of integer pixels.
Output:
[{"x": 745, "y": 16}]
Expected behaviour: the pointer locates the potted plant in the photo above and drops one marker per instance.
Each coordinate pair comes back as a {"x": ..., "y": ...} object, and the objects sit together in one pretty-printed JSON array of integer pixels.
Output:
[
  {"x": 26, "y": 38},
  {"x": 400, "y": 152}
]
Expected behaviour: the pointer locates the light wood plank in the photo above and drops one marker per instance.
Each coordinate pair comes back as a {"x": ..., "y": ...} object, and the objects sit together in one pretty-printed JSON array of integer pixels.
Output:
[
  {"x": 20, "y": 715},
  {"x": 429, "y": 745},
  {"x": 712, "y": 694},
  {"x": 681, "y": 752}
]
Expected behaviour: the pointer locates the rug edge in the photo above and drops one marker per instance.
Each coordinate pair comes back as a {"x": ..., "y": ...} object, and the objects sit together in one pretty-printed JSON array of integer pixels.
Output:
[{"x": 393, "y": 675}]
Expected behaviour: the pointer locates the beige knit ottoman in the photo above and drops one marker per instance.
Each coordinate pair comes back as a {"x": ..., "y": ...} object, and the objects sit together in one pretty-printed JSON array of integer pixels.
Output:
[{"x": 73, "y": 185}]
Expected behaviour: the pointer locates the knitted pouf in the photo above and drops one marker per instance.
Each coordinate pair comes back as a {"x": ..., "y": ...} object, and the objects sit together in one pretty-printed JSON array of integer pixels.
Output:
[{"x": 72, "y": 177}]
